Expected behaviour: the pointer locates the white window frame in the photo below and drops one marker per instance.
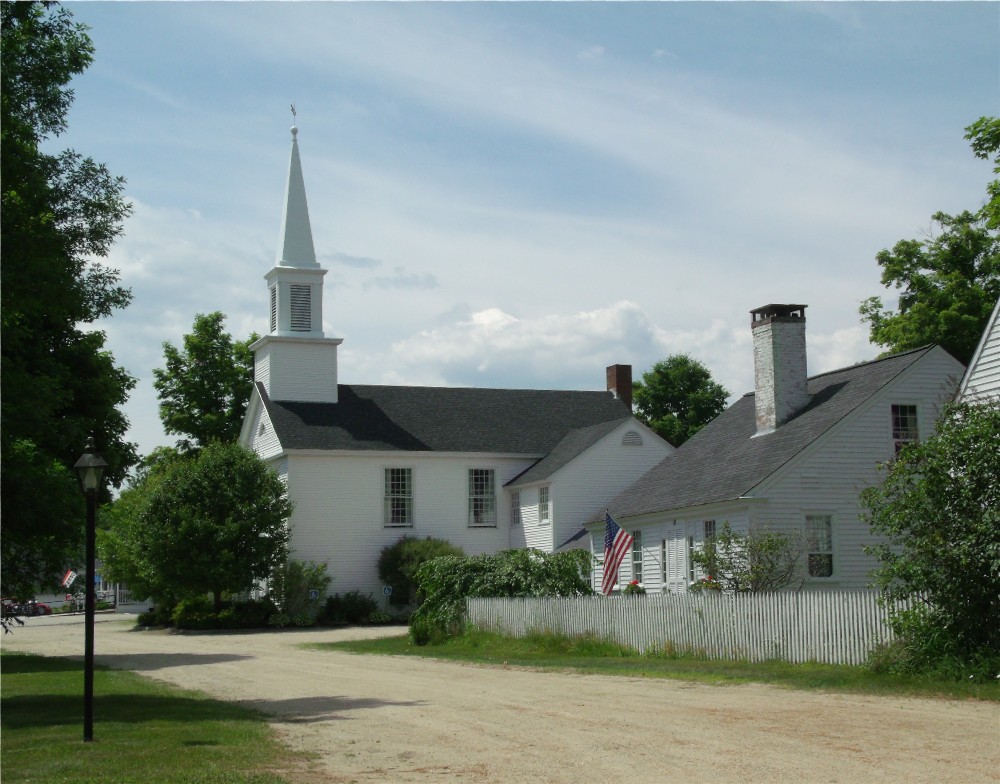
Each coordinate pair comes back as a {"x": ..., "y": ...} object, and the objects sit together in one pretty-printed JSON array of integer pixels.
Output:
[
  {"x": 819, "y": 549},
  {"x": 515, "y": 508},
  {"x": 637, "y": 556},
  {"x": 482, "y": 498},
  {"x": 393, "y": 492},
  {"x": 544, "y": 506},
  {"x": 904, "y": 421}
]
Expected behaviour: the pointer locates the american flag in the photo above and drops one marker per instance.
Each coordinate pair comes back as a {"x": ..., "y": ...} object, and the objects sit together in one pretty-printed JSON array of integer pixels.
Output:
[{"x": 617, "y": 542}]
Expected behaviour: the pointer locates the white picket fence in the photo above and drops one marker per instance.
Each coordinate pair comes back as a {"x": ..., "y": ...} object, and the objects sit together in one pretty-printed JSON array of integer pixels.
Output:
[{"x": 834, "y": 628}]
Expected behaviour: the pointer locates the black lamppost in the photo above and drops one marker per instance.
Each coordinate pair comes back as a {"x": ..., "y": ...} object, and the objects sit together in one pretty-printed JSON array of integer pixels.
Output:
[{"x": 89, "y": 470}]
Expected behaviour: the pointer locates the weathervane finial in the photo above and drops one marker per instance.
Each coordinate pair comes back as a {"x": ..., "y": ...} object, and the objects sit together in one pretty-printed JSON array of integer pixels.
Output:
[{"x": 295, "y": 129}]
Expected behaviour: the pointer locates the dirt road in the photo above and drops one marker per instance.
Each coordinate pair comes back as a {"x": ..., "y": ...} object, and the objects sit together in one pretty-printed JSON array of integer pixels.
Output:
[{"x": 396, "y": 719}]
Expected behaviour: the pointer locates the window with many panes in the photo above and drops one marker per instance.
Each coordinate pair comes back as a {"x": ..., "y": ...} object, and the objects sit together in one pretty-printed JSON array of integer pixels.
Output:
[
  {"x": 544, "y": 507},
  {"x": 482, "y": 498},
  {"x": 904, "y": 426},
  {"x": 819, "y": 545},
  {"x": 515, "y": 508},
  {"x": 637, "y": 556},
  {"x": 399, "y": 497}
]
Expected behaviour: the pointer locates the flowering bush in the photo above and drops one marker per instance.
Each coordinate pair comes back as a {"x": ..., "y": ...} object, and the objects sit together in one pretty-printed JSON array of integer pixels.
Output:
[
  {"x": 633, "y": 588},
  {"x": 706, "y": 583}
]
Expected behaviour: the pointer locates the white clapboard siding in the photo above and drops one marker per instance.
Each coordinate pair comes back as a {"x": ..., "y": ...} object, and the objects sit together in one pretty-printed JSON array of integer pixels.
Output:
[
  {"x": 982, "y": 381},
  {"x": 828, "y": 627}
]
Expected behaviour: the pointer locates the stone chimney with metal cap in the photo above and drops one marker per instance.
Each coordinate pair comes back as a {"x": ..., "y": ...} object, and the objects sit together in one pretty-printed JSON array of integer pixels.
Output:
[
  {"x": 779, "y": 360},
  {"x": 620, "y": 383}
]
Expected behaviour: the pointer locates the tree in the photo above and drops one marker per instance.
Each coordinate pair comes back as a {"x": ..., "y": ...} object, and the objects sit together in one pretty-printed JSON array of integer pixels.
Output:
[
  {"x": 60, "y": 384},
  {"x": 398, "y": 564},
  {"x": 207, "y": 523},
  {"x": 205, "y": 386},
  {"x": 938, "y": 508},
  {"x": 949, "y": 282},
  {"x": 984, "y": 134},
  {"x": 759, "y": 561},
  {"x": 678, "y": 397}
]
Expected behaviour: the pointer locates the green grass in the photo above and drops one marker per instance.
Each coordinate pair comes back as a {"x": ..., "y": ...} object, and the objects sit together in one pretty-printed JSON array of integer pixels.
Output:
[
  {"x": 144, "y": 732},
  {"x": 590, "y": 655}
]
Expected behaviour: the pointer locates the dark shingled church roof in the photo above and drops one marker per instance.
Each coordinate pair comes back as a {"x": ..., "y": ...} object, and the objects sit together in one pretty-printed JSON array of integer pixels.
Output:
[
  {"x": 723, "y": 461},
  {"x": 441, "y": 419}
]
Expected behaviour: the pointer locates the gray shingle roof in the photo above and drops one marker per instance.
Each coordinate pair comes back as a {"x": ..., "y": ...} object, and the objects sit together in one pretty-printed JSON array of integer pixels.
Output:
[
  {"x": 440, "y": 419},
  {"x": 574, "y": 443},
  {"x": 723, "y": 461}
]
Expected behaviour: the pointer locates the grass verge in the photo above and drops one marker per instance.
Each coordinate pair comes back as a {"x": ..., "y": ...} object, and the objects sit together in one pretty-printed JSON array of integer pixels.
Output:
[
  {"x": 144, "y": 732},
  {"x": 593, "y": 656}
]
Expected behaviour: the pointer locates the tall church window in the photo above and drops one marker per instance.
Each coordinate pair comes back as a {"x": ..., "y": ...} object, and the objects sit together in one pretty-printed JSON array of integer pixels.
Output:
[
  {"x": 482, "y": 498},
  {"x": 399, "y": 498}
]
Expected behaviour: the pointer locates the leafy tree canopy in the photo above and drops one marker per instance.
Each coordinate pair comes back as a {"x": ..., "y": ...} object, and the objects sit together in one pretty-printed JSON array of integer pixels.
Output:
[
  {"x": 207, "y": 523},
  {"x": 678, "y": 397},
  {"x": 938, "y": 508},
  {"x": 948, "y": 282},
  {"x": 205, "y": 386},
  {"x": 60, "y": 385}
]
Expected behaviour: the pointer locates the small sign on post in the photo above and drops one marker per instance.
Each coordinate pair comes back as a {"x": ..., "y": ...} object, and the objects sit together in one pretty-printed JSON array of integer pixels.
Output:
[{"x": 68, "y": 578}]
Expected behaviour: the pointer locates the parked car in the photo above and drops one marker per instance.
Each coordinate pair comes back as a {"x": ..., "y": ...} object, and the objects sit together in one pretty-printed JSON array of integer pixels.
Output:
[{"x": 37, "y": 608}]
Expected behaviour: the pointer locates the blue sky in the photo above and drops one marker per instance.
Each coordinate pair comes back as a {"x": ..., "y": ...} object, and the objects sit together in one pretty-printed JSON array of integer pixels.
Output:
[{"x": 520, "y": 194}]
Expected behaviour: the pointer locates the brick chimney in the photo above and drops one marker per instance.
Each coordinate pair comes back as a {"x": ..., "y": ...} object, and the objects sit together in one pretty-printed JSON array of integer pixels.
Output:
[
  {"x": 620, "y": 383},
  {"x": 779, "y": 360}
]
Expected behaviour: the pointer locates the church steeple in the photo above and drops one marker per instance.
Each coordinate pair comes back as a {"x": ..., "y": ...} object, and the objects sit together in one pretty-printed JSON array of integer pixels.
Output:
[
  {"x": 296, "y": 281},
  {"x": 294, "y": 361},
  {"x": 295, "y": 242}
]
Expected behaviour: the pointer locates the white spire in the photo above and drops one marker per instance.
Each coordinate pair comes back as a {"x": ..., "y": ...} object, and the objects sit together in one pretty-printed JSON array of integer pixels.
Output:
[{"x": 295, "y": 243}]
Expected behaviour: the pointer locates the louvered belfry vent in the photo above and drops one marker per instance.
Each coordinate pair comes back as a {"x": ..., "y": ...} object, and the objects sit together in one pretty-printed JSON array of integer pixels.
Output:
[
  {"x": 301, "y": 308},
  {"x": 274, "y": 308}
]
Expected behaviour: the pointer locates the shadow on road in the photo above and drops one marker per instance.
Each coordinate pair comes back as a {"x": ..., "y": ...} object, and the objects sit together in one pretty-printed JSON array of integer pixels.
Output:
[
  {"x": 147, "y": 662},
  {"x": 305, "y": 710}
]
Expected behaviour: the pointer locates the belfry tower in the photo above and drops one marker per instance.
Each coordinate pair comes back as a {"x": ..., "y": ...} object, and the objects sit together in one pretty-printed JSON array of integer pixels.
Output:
[{"x": 294, "y": 361}]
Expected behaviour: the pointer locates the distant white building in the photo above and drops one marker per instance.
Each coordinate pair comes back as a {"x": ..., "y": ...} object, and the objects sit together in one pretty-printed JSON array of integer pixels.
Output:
[
  {"x": 793, "y": 455},
  {"x": 486, "y": 469}
]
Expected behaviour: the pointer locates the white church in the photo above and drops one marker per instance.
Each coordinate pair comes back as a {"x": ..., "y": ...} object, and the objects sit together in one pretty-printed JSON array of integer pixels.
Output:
[{"x": 485, "y": 469}]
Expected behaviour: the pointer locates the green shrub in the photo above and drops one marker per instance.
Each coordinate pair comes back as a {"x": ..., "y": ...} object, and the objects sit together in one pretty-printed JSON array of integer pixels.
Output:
[
  {"x": 195, "y": 613},
  {"x": 290, "y": 588},
  {"x": 398, "y": 564},
  {"x": 445, "y": 583},
  {"x": 351, "y": 608},
  {"x": 160, "y": 615}
]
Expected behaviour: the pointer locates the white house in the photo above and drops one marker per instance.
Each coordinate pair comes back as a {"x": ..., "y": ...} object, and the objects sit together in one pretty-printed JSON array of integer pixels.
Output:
[
  {"x": 793, "y": 455},
  {"x": 982, "y": 379},
  {"x": 486, "y": 469}
]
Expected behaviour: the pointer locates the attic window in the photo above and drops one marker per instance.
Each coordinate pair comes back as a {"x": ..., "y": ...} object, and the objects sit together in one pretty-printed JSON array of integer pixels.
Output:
[
  {"x": 632, "y": 438},
  {"x": 261, "y": 429},
  {"x": 301, "y": 298}
]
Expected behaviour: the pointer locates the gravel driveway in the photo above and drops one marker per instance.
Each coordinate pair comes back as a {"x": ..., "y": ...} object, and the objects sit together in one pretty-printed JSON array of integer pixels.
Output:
[{"x": 401, "y": 719}]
